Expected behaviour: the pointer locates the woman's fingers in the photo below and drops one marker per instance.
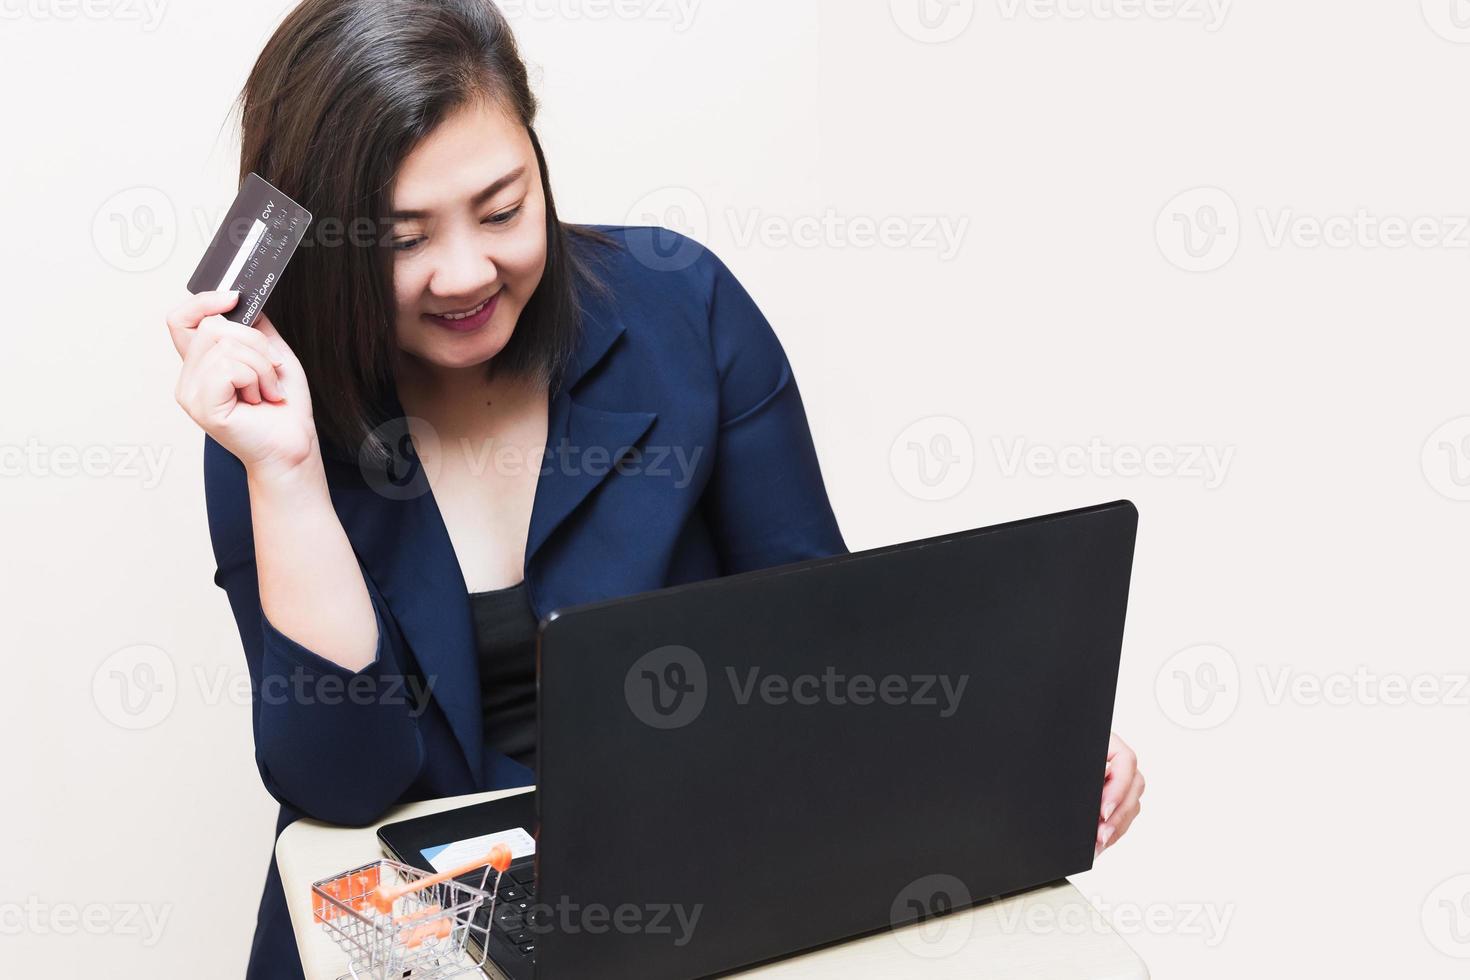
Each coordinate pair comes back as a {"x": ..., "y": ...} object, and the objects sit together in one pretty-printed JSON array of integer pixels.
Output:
[
  {"x": 1123, "y": 816},
  {"x": 225, "y": 373},
  {"x": 264, "y": 325},
  {"x": 244, "y": 380},
  {"x": 216, "y": 337},
  {"x": 183, "y": 320},
  {"x": 268, "y": 384},
  {"x": 1122, "y": 788},
  {"x": 1122, "y": 763},
  {"x": 293, "y": 376},
  {"x": 218, "y": 328},
  {"x": 1129, "y": 811},
  {"x": 282, "y": 351},
  {"x": 198, "y": 318}
]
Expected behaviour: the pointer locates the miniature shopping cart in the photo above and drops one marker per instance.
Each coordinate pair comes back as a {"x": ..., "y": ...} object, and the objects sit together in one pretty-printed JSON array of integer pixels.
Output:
[{"x": 393, "y": 920}]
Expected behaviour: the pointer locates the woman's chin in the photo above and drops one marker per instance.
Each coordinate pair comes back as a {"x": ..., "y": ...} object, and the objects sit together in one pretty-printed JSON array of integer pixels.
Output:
[
  {"x": 464, "y": 352},
  {"x": 472, "y": 359}
]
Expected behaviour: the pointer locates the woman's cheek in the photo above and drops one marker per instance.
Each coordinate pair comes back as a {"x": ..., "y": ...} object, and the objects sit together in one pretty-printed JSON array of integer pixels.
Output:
[
  {"x": 409, "y": 283},
  {"x": 406, "y": 292},
  {"x": 525, "y": 258}
]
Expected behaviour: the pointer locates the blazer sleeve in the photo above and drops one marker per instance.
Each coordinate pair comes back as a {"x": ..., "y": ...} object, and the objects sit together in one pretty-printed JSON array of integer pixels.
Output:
[
  {"x": 767, "y": 501},
  {"x": 330, "y": 743}
]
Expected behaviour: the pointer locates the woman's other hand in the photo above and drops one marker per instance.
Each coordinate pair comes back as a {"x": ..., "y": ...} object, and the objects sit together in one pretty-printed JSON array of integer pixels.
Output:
[{"x": 1122, "y": 788}]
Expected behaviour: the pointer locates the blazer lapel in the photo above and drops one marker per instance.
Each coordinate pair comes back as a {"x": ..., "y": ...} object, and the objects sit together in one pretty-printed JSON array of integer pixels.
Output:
[
  {"x": 405, "y": 546},
  {"x": 569, "y": 473}
]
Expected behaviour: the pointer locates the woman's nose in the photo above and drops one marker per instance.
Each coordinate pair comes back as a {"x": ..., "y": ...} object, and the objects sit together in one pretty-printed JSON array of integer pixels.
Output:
[{"x": 463, "y": 270}]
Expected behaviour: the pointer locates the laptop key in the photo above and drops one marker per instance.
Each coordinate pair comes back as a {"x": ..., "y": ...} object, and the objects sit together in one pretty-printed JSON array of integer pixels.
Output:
[
  {"x": 525, "y": 874},
  {"x": 473, "y": 880},
  {"x": 527, "y": 948}
]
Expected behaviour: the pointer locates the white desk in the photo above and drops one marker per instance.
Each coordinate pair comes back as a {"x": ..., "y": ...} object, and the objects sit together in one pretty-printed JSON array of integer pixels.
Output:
[{"x": 1049, "y": 933}]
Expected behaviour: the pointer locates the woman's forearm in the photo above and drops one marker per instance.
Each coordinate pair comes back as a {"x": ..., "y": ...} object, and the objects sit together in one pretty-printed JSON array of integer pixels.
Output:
[{"x": 311, "y": 587}]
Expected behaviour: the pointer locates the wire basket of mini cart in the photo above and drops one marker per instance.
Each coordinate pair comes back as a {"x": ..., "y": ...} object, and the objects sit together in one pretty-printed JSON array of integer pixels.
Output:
[{"x": 393, "y": 920}]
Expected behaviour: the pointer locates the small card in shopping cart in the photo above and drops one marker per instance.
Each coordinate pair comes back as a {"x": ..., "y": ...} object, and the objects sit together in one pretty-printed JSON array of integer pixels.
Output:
[{"x": 446, "y": 856}]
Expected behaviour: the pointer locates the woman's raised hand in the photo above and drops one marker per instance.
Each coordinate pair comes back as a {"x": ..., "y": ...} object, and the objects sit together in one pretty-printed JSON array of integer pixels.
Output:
[{"x": 242, "y": 385}]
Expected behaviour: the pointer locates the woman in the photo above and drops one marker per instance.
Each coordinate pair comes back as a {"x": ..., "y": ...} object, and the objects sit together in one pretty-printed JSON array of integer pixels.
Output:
[{"x": 506, "y": 414}]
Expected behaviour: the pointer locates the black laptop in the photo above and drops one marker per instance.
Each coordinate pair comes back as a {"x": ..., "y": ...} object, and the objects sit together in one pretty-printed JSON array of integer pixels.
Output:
[{"x": 735, "y": 770}]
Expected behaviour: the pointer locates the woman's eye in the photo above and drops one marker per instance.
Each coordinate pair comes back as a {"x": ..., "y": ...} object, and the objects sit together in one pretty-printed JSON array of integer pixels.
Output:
[
  {"x": 406, "y": 244},
  {"x": 503, "y": 216}
]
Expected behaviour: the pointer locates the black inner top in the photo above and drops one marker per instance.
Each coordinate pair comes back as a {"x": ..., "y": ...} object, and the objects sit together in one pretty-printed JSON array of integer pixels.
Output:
[{"x": 505, "y": 638}]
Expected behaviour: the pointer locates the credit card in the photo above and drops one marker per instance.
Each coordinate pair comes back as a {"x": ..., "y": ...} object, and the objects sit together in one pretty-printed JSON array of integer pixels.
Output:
[{"x": 250, "y": 250}]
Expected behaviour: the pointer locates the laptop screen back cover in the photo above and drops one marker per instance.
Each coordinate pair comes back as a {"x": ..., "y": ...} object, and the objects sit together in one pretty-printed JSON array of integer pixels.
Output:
[{"x": 729, "y": 772}]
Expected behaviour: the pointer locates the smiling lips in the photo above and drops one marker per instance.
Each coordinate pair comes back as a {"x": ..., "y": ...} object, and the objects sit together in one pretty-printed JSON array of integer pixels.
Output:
[{"x": 472, "y": 319}]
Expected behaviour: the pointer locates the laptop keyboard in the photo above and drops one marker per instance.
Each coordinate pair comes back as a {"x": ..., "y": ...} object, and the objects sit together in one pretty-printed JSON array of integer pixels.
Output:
[{"x": 513, "y": 901}]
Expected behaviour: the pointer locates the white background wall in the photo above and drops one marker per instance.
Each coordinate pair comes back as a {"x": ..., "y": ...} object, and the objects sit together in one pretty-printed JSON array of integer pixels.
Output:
[{"x": 1327, "y": 543}]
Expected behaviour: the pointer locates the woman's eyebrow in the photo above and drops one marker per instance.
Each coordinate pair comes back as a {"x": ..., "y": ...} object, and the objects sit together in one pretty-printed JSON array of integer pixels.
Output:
[{"x": 495, "y": 187}]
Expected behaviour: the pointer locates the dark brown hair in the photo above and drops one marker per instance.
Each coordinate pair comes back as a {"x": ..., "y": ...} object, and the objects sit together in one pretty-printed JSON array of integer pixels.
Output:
[{"x": 342, "y": 93}]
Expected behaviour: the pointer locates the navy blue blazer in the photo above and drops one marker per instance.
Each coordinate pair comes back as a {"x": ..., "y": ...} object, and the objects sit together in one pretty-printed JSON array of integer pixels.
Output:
[{"x": 677, "y": 359}]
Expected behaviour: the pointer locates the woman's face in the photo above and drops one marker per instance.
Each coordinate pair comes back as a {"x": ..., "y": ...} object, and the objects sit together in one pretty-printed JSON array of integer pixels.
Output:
[{"x": 469, "y": 237}]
